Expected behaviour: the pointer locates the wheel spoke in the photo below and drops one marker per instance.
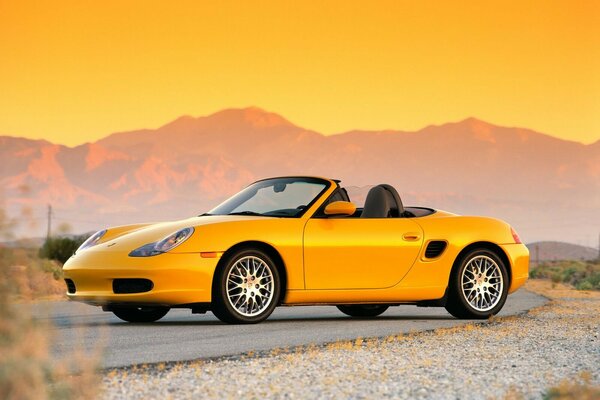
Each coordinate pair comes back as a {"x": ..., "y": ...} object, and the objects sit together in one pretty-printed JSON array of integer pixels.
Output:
[
  {"x": 235, "y": 281},
  {"x": 260, "y": 270},
  {"x": 240, "y": 300}
]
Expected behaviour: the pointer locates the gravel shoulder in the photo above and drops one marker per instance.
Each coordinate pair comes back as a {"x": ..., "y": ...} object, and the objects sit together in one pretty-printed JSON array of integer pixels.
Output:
[{"x": 515, "y": 357}]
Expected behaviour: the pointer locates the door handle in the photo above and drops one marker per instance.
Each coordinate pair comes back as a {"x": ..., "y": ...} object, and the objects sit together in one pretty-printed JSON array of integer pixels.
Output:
[{"x": 411, "y": 236}]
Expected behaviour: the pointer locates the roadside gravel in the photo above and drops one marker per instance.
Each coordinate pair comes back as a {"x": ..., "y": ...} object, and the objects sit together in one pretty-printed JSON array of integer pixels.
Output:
[{"x": 504, "y": 357}]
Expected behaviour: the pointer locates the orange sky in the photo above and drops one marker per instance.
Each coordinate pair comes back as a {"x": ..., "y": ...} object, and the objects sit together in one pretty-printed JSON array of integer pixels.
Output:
[{"x": 74, "y": 71}]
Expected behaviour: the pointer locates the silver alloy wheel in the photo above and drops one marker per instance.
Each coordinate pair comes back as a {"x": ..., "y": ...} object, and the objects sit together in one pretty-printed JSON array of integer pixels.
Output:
[
  {"x": 482, "y": 283},
  {"x": 250, "y": 286}
]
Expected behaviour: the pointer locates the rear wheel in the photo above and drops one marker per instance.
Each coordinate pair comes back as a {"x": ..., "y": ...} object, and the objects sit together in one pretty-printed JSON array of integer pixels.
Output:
[
  {"x": 247, "y": 289},
  {"x": 479, "y": 287},
  {"x": 140, "y": 314},
  {"x": 363, "y": 310}
]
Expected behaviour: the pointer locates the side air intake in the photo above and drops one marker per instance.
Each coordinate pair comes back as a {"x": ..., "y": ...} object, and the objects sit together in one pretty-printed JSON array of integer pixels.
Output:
[{"x": 435, "y": 248}]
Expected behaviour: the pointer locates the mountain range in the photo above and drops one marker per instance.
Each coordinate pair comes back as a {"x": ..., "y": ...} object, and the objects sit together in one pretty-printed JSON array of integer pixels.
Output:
[{"x": 548, "y": 188}]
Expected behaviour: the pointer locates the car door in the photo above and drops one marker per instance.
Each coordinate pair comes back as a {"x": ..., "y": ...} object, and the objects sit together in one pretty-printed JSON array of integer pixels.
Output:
[{"x": 359, "y": 253}]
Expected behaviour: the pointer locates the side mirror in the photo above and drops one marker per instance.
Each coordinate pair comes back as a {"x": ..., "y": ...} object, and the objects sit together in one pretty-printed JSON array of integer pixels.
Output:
[{"x": 340, "y": 208}]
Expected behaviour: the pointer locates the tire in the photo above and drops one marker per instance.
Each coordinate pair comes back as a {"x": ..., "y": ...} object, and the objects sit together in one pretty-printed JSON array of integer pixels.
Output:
[
  {"x": 247, "y": 289},
  {"x": 363, "y": 310},
  {"x": 479, "y": 286},
  {"x": 140, "y": 314}
]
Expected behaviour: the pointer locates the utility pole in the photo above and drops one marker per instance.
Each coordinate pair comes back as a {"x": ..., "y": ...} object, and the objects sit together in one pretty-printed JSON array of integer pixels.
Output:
[
  {"x": 599, "y": 247},
  {"x": 537, "y": 255},
  {"x": 49, "y": 221}
]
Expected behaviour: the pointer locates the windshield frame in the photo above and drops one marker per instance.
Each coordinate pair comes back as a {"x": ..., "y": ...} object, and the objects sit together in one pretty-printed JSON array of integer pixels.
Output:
[{"x": 284, "y": 179}]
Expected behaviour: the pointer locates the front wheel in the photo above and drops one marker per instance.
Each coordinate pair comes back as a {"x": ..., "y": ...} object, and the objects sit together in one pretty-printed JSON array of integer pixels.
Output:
[
  {"x": 247, "y": 288},
  {"x": 140, "y": 314},
  {"x": 363, "y": 310},
  {"x": 479, "y": 287}
]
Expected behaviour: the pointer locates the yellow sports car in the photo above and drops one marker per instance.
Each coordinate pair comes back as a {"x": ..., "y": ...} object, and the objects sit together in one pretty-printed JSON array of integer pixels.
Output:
[{"x": 300, "y": 241}]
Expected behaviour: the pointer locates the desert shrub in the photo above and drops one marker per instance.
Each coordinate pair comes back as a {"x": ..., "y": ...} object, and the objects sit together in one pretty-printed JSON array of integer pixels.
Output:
[
  {"x": 28, "y": 369},
  {"x": 579, "y": 388},
  {"x": 32, "y": 276},
  {"x": 568, "y": 274},
  {"x": 585, "y": 285},
  {"x": 591, "y": 282},
  {"x": 584, "y": 275},
  {"x": 60, "y": 248}
]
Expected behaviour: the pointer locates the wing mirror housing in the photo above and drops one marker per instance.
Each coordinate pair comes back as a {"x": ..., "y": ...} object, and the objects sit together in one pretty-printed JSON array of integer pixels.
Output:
[{"x": 340, "y": 208}]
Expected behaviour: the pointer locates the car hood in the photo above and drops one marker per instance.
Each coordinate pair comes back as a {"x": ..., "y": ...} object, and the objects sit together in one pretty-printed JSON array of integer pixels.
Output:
[{"x": 130, "y": 237}]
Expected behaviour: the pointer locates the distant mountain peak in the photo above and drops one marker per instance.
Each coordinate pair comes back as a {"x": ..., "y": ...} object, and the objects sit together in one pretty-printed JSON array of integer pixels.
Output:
[
  {"x": 474, "y": 120},
  {"x": 184, "y": 120},
  {"x": 254, "y": 116},
  {"x": 485, "y": 131},
  {"x": 471, "y": 122}
]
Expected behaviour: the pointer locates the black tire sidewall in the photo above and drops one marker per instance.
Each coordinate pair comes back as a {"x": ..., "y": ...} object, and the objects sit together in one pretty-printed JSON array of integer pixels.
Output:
[
  {"x": 464, "y": 308},
  {"x": 224, "y": 310}
]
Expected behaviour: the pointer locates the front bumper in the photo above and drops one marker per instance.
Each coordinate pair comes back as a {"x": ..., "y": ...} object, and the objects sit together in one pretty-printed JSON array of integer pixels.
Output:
[
  {"x": 178, "y": 278},
  {"x": 518, "y": 255}
]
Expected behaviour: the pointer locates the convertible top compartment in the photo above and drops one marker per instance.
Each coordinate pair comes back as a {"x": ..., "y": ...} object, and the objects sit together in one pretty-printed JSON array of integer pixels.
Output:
[{"x": 420, "y": 211}]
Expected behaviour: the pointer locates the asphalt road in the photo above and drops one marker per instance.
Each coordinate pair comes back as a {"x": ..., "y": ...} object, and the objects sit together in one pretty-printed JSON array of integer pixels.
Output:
[{"x": 184, "y": 336}]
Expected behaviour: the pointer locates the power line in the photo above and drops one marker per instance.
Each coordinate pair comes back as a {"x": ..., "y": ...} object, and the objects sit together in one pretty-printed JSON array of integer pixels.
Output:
[{"x": 49, "y": 221}]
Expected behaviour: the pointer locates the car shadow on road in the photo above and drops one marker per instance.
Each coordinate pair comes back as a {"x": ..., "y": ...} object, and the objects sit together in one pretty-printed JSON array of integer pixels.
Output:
[
  {"x": 271, "y": 322},
  {"x": 358, "y": 319}
]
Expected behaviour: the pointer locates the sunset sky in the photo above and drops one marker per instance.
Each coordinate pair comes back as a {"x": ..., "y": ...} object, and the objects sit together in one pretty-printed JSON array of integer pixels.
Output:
[{"x": 75, "y": 71}]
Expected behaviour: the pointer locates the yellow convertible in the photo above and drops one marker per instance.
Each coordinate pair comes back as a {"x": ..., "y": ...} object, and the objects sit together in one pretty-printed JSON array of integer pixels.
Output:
[{"x": 300, "y": 241}]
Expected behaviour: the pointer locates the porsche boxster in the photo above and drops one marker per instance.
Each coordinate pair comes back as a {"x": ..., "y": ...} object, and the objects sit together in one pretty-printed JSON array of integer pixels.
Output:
[{"x": 301, "y": 241}]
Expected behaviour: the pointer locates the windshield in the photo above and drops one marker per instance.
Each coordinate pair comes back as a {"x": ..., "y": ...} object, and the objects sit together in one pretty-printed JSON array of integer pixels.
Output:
[{"x": 278, "y": 197}]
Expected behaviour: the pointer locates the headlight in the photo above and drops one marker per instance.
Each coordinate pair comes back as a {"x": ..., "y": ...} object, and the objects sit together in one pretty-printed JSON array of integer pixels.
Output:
[
  {"x": 92, "y": 240},
  {"x": 166, "y": 244}
]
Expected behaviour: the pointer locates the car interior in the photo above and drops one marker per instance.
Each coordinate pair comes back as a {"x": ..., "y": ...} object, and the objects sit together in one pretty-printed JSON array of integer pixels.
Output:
[{"x": 383, "y": 201}]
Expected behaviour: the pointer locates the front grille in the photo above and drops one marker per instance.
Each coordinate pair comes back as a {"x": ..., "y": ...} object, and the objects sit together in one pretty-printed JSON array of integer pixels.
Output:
[
  {"x": 122, "y": 286},
  {"x": 435, "y": 248},
  {"x": 70, "y": 286}
]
